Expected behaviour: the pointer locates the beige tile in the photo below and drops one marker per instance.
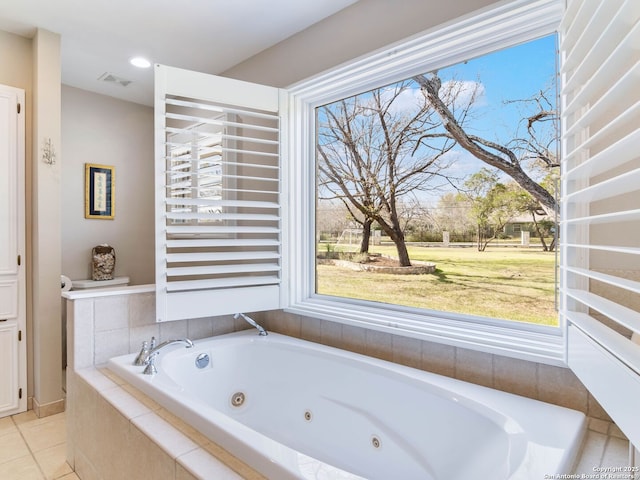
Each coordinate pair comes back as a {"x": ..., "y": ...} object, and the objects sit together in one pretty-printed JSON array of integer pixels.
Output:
[
  {"x": 439, "y": 358},
  {"x": 7, "y": 426},
  {"x": 183, "y": 474},
  {"x": 53, "y": 461},
  {"x": 198, "y": 328},
  {"x": 379, "y": 344},
  {"x": 285, "y": 323},
  {"x": 515, "y": 376},
  {"x": 614, "y": 431},
  {"x": 45, "y": 432},
  {"x": 172, "y": 330},
  {"x": 229, "y": 460},
  {"x": 475, "y": 367},
  {"x": 111, "y": 343},
  {"x": 594, "y": 409},
  {"x": 171, "y": 441},
  {"x": 310, "y": 329},
  {"x": 146, "y": 459},
  {"x": 137, "y": 335},
  {"x": 97, "y": 378},
  {"x": 141, "y": 397},
  {"x": 223, "y": 324},
  {"x": 616, "y": 452},
  {"x": 22, "y": 468},
  {"x": 12, "y": 446},
  {"x": 81, "y": 350},
  {"x": 591, "y": 454},
  {"x": 142, "y": 309},
  {"x": 84, "y": 469},
  {"x": 560, "y": 386},
  {"x": 70, "y": 476},
  {"x": 28, "y": 416},
  {"x": 598, "y": 425},
  {"x": 193, "y": 434},
  {"x": 127, "y": 405},
  {"x": 111, "y": 313},
  {"x": 115, "y": 379},
  {"x": 353, "y": 339},
  {"x": 203, "y": 465},
  {"x": 331, "y": 333},
  {"x": 407, "y": 351}
]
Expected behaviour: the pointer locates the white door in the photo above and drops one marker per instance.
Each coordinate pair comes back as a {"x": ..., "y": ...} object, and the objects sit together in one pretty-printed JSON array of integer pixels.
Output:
[{"x": 13, "y": 376}]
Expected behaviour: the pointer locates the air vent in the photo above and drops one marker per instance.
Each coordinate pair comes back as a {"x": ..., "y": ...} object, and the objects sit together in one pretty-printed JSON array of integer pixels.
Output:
[{"x": 111, "y": 78}]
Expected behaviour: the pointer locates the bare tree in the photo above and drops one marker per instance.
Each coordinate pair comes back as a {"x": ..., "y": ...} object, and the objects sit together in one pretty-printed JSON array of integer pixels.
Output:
[
  {"x": 365, "y": 146},
  {"x": 511, "y": 158}
]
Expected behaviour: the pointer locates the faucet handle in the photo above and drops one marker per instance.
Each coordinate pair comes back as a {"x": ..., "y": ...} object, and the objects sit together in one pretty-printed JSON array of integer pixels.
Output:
[
  {"x": 151, "y": 369},
  {"x": 142, "y": 356},
  {"x": 153, "y": 343}
]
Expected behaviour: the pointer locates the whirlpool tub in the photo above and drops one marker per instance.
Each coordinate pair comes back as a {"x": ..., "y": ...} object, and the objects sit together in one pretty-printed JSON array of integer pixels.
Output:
[{"x": 293, "y": 409}]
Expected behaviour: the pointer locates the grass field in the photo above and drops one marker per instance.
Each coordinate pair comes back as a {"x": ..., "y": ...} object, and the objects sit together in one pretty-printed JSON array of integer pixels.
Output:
[{"x": 502, "y": 282}]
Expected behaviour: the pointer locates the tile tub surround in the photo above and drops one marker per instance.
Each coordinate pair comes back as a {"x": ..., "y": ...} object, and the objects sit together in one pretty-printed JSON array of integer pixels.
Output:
[
  {"x": 116, "y": 323},
  {"x": 120, "y": 433},
  {"x": 105, "y": 326}
]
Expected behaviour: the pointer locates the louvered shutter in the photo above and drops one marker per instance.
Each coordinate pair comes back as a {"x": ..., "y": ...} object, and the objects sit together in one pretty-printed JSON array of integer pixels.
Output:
[
  {"x": 600, "y": 235},
  {"x": 218, "y": 216}
]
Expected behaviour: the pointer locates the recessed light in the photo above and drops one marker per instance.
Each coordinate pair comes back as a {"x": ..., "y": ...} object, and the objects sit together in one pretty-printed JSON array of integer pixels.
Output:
[{"x": 140, "y": 62}]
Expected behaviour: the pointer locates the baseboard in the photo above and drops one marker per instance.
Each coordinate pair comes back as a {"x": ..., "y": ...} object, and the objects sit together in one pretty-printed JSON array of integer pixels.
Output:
[{"x": 48, "y": 409}]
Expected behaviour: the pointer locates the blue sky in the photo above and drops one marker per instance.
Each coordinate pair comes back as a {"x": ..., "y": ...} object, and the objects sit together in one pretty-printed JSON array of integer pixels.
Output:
[{"x": 514, "y": 73}]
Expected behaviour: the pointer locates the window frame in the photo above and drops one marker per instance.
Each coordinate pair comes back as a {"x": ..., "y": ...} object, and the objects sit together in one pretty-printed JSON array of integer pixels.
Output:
[{"x": 479, "y": 33}]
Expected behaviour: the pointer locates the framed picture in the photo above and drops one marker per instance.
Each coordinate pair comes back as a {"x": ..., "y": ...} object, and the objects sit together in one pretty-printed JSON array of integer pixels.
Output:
[{"x": 99, "y": 191}]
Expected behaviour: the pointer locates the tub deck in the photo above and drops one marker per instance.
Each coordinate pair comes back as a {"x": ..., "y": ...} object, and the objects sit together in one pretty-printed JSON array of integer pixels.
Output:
[{"x": 295, "y": 409}]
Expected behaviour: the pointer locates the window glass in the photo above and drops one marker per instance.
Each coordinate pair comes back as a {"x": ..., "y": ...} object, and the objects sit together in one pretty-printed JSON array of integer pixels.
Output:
[{"x": 439, "y": 191}]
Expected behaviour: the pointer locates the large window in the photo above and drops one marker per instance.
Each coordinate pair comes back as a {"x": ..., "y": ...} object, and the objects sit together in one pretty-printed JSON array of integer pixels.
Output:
[
  {"x": 399, "y": 150},
  {"x": 439, "y": 191}
]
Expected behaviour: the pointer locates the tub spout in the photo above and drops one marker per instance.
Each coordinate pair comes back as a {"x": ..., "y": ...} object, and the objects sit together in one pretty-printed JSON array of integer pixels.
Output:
[
  {"x": 150, "y": 359},
  {"x": 252, "y": 322}
]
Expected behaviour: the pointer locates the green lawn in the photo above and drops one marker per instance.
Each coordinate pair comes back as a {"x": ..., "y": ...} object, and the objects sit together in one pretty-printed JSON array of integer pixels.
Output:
[{"x": 502, "y": 282}]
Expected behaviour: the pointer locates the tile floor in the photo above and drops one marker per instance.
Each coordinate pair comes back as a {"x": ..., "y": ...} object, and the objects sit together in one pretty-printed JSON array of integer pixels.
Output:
[
  {"x": 33, "y": 448},
  {"x": 604, "y": 446}
]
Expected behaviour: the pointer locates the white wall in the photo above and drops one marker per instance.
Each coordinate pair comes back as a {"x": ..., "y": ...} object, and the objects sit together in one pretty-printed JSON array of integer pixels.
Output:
[{"x": 104, "y": 130}]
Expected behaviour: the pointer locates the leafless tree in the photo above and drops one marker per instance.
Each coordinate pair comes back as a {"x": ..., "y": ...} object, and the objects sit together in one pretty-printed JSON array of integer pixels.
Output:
[
  {"x": 512, "y": 158},
  {"x": 365, "y": 146}
]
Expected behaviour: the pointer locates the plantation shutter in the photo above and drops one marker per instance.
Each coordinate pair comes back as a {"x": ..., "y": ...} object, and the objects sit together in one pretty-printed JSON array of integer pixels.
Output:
[
  {"x": 600, "y": 236},
  {"x": 218, "y": 223}
]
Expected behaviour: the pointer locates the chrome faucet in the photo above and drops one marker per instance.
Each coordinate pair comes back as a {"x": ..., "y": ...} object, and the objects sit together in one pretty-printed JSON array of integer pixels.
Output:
[
  {"x": 261, "y": 331},
  {"x": 150, "y": 358}
]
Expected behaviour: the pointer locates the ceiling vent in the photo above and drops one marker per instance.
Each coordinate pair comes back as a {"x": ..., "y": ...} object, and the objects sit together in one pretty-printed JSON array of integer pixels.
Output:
[{"x": 111, "y": 78}]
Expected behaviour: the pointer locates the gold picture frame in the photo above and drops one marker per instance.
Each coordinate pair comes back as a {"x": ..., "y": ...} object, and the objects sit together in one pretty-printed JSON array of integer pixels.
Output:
[{"x": 99, "y": 191}]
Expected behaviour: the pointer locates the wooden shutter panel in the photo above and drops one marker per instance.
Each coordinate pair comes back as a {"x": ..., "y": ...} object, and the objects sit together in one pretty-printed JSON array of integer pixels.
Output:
[
  {"x": 218, "y": 223},
  {"x": 601, "y": 202}
]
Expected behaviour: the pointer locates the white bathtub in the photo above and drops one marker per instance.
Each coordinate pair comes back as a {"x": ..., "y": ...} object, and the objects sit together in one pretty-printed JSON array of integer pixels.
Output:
[{"x": 307, "y": 411}]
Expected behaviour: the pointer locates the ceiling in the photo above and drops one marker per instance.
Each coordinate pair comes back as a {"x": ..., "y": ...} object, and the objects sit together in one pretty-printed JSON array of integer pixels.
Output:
[{"x": 99, "y": 37}]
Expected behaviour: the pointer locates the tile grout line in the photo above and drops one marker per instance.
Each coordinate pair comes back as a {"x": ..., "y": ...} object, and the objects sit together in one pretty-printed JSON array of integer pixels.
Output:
[{"x": 33, "y": 457}]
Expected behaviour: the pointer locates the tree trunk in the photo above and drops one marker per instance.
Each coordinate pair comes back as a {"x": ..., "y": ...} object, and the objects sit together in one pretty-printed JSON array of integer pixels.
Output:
[
  {"x": 403, "y": 254},
  {"x": 545, "y": 248},
  {"x": 366, "y": 235},
  {"x": 395, "y": 234}
]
